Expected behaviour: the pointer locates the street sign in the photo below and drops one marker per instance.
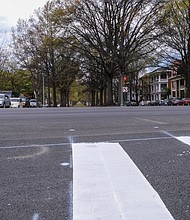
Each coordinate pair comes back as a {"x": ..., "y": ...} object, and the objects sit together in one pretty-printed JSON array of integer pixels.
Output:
[{"x": 125, "y": 89}]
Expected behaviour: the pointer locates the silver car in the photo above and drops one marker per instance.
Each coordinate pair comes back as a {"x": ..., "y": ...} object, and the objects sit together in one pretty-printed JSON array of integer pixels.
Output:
[{"x": 5, "y": 101}]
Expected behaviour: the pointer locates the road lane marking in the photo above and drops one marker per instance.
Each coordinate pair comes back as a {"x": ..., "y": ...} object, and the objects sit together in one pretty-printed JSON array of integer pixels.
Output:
[
  {"x": 35, "y": 216},
  {"x": 184, "y": 139},
  {"x": 140, "y": 139},
  {"x": 108, "y": 185},
  {"x": 168, "y": 134},
  {"x": 66, "y": 144},
  {"x": 65, "y": 164},
  {"x": 157, "y": 122}
]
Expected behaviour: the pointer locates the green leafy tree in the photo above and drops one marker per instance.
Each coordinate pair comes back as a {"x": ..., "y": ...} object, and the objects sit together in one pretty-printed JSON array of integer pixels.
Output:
[{"x": 43, "y": 46}]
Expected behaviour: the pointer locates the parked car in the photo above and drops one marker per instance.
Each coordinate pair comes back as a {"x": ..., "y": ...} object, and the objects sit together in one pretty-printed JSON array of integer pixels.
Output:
[
  {"x": 5, "y": 101},
  {"x": 177, "y": 101},
  {"x": 174, "y": 101},
  {"x": 186, "y": 101},
  {"x": 169, "y": 101},
  {"x": 131, "y": 103},
  {"x": 33, "y": 103},
  {"x": 16, "y": 103},
  {"x": 145, "y": 103},
  {"x": 26, "y": 102},
  {"x": 156, "y": 102},
  {"x": 142, "y": 103},
  {"x": 163, "y": 102}
]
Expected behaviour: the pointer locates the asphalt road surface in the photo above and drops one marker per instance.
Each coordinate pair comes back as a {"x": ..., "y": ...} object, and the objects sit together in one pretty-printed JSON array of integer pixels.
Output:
[{"x": 36, "y": 155}]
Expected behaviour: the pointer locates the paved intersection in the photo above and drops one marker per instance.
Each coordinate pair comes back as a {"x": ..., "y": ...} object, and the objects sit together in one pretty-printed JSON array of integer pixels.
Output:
[{"x": 36, "y": 155}]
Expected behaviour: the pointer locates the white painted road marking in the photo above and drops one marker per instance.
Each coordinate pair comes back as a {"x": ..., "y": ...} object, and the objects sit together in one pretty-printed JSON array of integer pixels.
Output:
[
  {"x": 157, "y": 122},
  {"x": 184, "y": 139},
  {"x": 35, "y": 216},
  {"x": 65, "y": 164},
  {"x": 108, "y": 185}
]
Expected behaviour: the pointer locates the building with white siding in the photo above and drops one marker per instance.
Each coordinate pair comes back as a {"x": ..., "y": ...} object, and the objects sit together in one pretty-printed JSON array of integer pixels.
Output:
[{"x": 154, "y": 85}]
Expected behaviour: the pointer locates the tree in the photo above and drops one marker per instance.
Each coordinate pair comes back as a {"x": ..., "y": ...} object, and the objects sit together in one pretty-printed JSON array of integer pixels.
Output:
[
  {"x": 25, "y": 47},
  {"x": 43, "y": 46},
  {"x": 4, "y": 54},
  {"x": 175, "y": 37},
  {"x": 116, "y": 32}
]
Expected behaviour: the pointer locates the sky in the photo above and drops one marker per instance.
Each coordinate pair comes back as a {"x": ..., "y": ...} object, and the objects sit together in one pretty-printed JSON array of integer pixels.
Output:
[{"x": 12, "y": 10}]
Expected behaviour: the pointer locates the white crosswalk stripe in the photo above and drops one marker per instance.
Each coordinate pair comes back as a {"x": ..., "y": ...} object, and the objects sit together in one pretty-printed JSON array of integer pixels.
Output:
[
  {"x": 184, "y": 139},
  {"x": 108, "y": 185}
]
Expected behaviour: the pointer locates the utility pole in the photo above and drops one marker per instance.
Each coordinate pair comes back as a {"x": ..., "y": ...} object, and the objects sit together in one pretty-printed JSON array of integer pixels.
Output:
[
  {"x": 121, "y": 90},
  {"x": 43, "y": 104}
]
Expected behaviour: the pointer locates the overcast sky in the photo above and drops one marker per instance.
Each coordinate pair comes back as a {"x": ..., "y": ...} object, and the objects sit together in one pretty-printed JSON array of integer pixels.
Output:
[{"x": 12, "y": 10}]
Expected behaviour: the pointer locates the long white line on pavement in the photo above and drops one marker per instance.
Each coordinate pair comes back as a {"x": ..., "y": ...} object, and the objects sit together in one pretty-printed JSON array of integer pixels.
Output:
[
  {"x": 108, "y": 185},
  {"x": 66, "y": 144},
  {"x": 153, "y": 121}
]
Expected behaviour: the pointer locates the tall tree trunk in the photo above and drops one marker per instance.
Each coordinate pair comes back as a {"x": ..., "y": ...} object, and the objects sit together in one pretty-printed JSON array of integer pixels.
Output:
[
  {"x": 97, "y": 98},
  {"x": 67, "y": 98},
  {"x": 63, "y": 97},
  {"x": 93, "y": 98},
  {"x": 110, "y": 92},
  {"x": 105, "y": 96},
  {"x": 101, "y": 96},
  {"x": 54, "y": 96}
]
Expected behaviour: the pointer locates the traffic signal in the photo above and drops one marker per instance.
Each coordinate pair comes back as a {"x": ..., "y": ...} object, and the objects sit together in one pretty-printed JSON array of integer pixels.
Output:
[{"x": 125, "y": 80}]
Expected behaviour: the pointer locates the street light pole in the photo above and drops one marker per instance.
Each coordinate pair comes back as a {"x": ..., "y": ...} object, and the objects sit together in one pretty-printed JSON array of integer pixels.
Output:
[
  {"x": 121, "y": 90},
  {"x": 43, "y": 91}
]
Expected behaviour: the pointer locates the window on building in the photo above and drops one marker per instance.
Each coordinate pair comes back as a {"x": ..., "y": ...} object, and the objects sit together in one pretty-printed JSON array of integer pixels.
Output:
[
  {"x": 163, "y": 87},
  {"x": 182, "y": 94},
  {"x": 173, "y": 84},
  {"x": 163, "y": 76},
  {"x": 157, "y": 88},
  {"x": 173, "y": 94},
  {"x": 182, "y": 82}
]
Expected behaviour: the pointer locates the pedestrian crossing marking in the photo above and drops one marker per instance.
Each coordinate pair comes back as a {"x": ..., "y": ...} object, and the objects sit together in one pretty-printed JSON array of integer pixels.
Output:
[{"x": 108, "y": 185}]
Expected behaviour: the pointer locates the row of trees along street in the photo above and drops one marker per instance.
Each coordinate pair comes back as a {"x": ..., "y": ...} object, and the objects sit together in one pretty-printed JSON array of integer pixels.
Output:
[{"x": 93, "y": 43}]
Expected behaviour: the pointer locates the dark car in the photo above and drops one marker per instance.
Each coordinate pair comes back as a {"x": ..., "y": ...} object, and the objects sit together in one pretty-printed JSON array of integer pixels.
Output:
[
  {"x": 26, "y": 102},
  {"x": 131, "y": 103}
]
